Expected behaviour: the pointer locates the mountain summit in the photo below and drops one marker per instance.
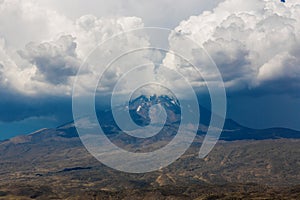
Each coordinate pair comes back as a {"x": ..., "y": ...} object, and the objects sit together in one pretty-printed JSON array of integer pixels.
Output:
[{"x": 140, "y": 108}]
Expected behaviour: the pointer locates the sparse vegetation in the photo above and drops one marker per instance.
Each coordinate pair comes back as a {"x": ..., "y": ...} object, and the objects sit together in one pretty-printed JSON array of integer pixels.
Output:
[{"x": 61, "y": 168}]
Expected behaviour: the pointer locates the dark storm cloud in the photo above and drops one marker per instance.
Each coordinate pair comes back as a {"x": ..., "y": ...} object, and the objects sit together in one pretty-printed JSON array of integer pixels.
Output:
[
  {"x": 17, "y": 107},
  {"x": 55, "y": 61},
  {"x": 233, "y": 63},
  {"x": 1, "y": 73}
]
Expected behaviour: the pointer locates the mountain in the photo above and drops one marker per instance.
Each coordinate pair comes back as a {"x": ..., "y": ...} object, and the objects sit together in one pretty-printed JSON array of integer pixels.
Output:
[
  {"x": 245, "y": 164},
  {"x": 139, "y": 111},
  {"x": 139, "y": 108}
]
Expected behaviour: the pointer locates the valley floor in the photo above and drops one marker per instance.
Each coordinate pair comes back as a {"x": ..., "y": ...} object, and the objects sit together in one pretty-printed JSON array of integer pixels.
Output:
[{"x": 61, "y": 168}]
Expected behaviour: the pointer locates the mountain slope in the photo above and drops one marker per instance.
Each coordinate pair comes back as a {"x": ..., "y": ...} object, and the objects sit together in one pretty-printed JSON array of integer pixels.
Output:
[{"x": 47, "y": 165}]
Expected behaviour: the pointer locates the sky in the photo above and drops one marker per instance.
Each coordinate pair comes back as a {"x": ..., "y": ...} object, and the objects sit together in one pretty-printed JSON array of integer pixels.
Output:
[{"x": 255, "y": 45}]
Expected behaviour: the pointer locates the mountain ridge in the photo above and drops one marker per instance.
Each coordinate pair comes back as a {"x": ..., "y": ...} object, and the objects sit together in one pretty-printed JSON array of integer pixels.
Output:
[{"x": 232, "y": 130}]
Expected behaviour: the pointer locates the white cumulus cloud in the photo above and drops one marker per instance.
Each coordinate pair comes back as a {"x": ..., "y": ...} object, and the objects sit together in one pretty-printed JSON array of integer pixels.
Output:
[
  {"x": 41, "y": 51},
  {"x": 252, "y": 42}
]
